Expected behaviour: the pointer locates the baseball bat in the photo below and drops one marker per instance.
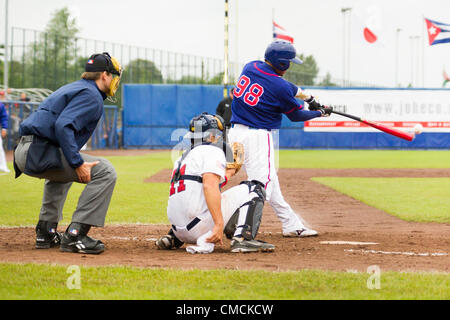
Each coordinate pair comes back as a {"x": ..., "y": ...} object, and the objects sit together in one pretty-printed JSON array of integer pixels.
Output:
[{"x": 395, "y": 132}]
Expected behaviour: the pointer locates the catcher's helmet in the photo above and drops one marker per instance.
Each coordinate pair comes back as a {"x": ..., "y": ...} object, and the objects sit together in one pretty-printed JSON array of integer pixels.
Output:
[
  {"x": 204, "y": 125},
  {"x": 280, "y": 54}
]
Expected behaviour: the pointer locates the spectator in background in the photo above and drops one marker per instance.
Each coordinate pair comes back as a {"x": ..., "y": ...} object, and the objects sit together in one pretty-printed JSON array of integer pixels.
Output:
[
  {"x": 4, "y": 131},
  {"x": 23, "y": 97},
  {"x": 224, "y": 109},
  {"x": 26, "y": 109}
]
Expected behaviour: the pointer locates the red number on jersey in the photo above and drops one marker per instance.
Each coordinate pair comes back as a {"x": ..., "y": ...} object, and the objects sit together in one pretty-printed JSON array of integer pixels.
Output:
[
  {"x": 252, "y": 96},
  {"x": 181, "y": 185},
  {"x": 241, "y": 85}
]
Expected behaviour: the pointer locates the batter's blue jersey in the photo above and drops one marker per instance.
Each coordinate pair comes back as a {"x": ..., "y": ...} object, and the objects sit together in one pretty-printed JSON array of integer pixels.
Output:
[{"x": 261, "y": 97}]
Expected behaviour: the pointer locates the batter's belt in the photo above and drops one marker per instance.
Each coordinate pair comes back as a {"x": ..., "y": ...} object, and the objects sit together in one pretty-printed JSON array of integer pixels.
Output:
[{"x": 251, "y": 128}]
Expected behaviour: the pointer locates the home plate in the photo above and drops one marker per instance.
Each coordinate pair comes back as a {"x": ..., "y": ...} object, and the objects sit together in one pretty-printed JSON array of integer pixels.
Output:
[{"x": 355, "y": 243}]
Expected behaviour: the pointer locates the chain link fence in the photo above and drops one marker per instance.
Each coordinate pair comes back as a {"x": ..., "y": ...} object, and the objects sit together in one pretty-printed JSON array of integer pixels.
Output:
[
  {"x": 42, "y": 60},
  {"x": 38, "y": 59}
]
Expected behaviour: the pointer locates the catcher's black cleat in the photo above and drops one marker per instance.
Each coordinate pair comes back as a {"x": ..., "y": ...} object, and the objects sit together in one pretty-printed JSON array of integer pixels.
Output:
[
  {"x": 168, "y": 242},
  {"x": 46, "y": 235},
  {"x": 75, "y": 239}
]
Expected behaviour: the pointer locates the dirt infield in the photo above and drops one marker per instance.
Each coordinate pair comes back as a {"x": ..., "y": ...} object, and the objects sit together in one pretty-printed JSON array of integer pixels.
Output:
[{"x": 398, "y": 245}]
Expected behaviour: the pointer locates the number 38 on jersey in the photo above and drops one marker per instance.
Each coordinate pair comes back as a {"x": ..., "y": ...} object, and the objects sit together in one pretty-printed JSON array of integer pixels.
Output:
[{"x": 252, "y": 95}]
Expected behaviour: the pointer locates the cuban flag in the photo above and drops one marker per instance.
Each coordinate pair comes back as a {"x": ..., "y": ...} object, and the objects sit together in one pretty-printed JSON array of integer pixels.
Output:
[
  {"x": 438, "y": 32},
  {"x": 280, "y": 33}
]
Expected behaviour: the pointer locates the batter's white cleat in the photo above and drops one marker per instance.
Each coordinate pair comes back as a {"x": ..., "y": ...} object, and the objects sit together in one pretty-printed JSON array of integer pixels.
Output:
[{"x": 302, "y": 233}]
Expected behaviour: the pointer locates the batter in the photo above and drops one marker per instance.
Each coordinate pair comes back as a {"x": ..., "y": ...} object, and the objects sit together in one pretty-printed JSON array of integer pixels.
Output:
[{"x": 261, "y": 97}]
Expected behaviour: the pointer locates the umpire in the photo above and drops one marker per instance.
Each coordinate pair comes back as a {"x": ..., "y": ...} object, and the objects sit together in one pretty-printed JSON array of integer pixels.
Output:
[
  {"x": 49, "y": 148},
  {"x": 224, "y": 108}
]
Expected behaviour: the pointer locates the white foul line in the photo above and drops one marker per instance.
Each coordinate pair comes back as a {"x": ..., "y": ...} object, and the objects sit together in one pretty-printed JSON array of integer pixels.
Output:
[
  {"x": 426, "y": 254},
  {"x": 131, "y": 239},
  {"x": 348, "y": 242}
]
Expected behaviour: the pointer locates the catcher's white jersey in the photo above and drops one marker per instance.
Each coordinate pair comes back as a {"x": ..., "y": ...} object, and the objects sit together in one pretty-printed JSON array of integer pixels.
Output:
[{"x": 187, "y": 200}]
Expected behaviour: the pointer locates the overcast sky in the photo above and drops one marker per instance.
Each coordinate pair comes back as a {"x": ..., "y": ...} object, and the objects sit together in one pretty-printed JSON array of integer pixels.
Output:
[{"x": 196, "y": 27}]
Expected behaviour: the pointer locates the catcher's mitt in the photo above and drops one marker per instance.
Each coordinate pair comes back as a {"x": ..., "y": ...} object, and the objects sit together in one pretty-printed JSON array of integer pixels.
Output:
[{"x": 238, "y": 156}]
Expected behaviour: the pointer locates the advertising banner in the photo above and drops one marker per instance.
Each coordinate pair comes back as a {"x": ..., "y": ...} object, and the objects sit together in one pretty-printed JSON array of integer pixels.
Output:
[{"x": 399, "y": 108}]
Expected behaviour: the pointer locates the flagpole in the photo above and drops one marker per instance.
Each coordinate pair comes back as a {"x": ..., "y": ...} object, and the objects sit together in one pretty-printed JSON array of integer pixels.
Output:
[
  {"x": 423, "y": 51},
  {"x": 411, "y": 44},
  {"x": 5, "y": 63},
  {"x": 396, "y": 56},
  {"x": 418, "y": 60},
  {"x": 236, "y": 42},
  {"x": 349, "y": 43},
  {"x": 345, "y": 59},
  {"x": 343, "y": 46},
  {"x": 225, "y": 60}
]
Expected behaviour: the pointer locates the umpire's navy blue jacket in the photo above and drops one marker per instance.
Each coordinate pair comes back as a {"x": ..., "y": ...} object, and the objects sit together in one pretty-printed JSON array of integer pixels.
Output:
[{"x": 68, "y": 117}]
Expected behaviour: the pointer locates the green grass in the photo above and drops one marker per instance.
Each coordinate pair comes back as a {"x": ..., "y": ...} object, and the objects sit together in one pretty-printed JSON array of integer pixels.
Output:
[
  {"x": 364, "y": 159},
  {"x": 135, "y": 201},
  {"x": 30, "y": 281},
  {"x": 411, "y": 199}
]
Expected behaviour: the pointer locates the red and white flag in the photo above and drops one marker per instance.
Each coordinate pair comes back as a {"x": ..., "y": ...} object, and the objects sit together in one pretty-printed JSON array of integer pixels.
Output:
[
  {"x": 365, "y": 33},
  {"x": 280, "y": 33}
]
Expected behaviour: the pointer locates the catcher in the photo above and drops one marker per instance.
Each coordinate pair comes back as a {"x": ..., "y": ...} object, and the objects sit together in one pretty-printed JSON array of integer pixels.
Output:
[{"x": 199, "y": 213}]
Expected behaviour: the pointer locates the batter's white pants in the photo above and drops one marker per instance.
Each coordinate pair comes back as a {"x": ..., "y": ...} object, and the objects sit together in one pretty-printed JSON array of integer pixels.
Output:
[
  {"x": 232, "y": 199},
  {"x": 3, "y": 166},
  {"x": 259, "y": 165}
]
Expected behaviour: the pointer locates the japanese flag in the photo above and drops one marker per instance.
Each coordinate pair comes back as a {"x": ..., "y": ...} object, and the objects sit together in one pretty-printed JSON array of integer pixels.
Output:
[{"x": 367, "y": 24}]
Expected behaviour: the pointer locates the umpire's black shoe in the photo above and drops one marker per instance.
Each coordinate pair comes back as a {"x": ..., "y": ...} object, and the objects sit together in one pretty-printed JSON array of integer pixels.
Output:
[
  {"x": 46, "y": 235},
  {"x": 75, "y": 239}
]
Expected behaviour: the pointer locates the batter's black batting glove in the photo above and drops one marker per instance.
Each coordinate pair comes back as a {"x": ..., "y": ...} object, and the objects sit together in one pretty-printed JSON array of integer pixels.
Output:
[
  {"x": 313, "y": 105},
  {"x": 326, "y": 111}
]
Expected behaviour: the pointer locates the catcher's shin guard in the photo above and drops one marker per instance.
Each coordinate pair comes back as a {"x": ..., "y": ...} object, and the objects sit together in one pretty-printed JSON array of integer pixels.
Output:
[
  {"x": 253, "y": 218},
  {"x": 253, "y": 213},
  {"x": 256, "y": 187},
  {"x": 230, "y": 227}
]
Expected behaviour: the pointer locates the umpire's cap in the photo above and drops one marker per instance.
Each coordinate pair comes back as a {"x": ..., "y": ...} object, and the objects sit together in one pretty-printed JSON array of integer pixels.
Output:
[{"x": 102, "y": 62}]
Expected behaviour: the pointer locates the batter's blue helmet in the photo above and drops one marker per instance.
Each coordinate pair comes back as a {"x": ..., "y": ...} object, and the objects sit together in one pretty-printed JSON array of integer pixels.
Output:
[{"x": 280, "y": 54}]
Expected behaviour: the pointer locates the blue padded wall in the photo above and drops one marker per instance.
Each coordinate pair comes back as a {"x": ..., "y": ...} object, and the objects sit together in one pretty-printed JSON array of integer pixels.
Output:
[{"x": 151, "y": 113}]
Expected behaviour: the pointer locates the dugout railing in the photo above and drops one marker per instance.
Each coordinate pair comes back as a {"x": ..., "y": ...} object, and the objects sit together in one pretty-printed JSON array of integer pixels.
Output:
[{"x": 105, "y": 136}]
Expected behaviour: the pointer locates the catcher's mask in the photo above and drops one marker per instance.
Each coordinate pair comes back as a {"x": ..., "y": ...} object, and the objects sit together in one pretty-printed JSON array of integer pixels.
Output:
[
  {"x": 202, "y": 127},
  {"x": 104, "y": 62}
]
